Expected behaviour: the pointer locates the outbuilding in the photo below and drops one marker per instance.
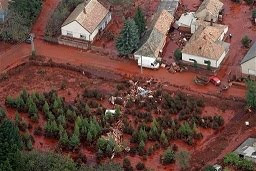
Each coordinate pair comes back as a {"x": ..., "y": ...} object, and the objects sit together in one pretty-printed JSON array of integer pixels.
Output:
[
  {"x": 86, "y": 21},
  {"x": 209, "y": 10},
  {"x": 248, "y": 63}
]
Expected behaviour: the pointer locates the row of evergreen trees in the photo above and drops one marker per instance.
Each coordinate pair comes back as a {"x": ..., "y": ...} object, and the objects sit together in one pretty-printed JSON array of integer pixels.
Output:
[{"x": 129, "y": 37}]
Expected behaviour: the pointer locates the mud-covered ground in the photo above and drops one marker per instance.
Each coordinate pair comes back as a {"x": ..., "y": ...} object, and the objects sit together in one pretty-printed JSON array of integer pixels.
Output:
[{"x": 44, "y": 79}]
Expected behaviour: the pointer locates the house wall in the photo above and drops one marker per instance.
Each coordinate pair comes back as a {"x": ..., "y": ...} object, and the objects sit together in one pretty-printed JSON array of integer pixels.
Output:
[
  {"x": 76, "y": 30},
  {"x": 2, "y": 16},
  {"x": 249, "y": 67},
  {"x": 204, "y": 15},
  {"x": 101, "y": 26},
  {"x": 200, "y": 60},
  {"x": 221, "y": 58}
]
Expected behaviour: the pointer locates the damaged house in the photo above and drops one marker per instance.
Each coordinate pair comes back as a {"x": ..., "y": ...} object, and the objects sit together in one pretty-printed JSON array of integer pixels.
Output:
[{"x": 206, "y": 46}]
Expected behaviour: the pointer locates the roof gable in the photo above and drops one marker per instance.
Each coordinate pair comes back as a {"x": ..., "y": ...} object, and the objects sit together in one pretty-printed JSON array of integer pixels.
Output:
[
  {"x": 88, "y": 15},
  {"x": 156, "y": 35},
  {"x": 250, "y": 54}
]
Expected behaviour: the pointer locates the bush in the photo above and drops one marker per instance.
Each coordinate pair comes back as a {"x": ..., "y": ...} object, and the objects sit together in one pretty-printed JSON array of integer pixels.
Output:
[
  {"x": 127, "y": 165},
  {"x": 177, "y": 54},
  {"x": 246, "y": 41},
  {"x": 140, "y": 166},
  {"x": 209, "y": 168},
  {"x": 249, "y": 2},
  {"x": 254, "y": 13},
  {"x": 235, "y": 160},
  {"x": 168, "y": 157}
]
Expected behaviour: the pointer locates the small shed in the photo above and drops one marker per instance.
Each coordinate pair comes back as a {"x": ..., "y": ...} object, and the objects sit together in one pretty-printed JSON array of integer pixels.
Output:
[{"x": 185, "y": 21}]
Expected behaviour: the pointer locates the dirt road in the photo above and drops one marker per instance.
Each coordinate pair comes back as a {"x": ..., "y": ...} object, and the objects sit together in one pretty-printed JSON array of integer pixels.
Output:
[{"x": 64, "y": 54}]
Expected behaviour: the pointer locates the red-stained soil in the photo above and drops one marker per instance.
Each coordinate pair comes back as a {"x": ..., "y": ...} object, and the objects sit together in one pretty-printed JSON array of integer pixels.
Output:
[{"x": 43, "y": 79}]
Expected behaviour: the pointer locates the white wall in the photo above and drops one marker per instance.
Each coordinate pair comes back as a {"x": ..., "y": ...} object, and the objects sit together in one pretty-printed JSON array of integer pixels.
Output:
[
  {"x": 249, "y": 67},
  {"x": 200, "y": 60},
  {"x": 76, "y": 29},
  {"x": 101, "y": 26}
]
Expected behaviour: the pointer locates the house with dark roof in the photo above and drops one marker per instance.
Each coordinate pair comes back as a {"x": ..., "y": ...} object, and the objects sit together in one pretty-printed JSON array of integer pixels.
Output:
[
  {"x": 248, "y": 63},
  {"x": 86, "y": 21},
  {"x": 206, "y": 46},
  {"x": 155, "y": 37},
  {"x": 3, "y": 10}
]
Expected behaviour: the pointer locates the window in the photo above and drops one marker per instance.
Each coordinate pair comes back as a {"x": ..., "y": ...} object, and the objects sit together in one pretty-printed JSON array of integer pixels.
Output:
[
  {"x": 69, "y": 33},
  {"x": 82, "y": 36}
]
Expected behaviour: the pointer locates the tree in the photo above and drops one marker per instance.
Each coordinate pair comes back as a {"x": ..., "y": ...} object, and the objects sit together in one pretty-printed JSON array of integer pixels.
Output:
[
  {"x": 246, "y": 41},
  {"x": 163, "y": 139},
  {"x": 251, "y": 94},
  {"x": 46, "y": 108},
  {"x": 63, "y": 141},
  {"x": 14, "y": 28},
  {"x": 74, "y": 141},
  {"x": 178, "y": 54},
  {"x": 183, "y": 158},
  {"x": 5, "y": 166},
  {"x": 185, "y": 129},
  {"x": 10, "y": 144},
  {"x": 168, "y": 156},
  {"x": 249, "y": 2},
  {"x": 140, "y": 21},
  {"x": 128, "y": 39},
  {"x": 2, "y": 114},
  {"x": 89, "y": 137}
]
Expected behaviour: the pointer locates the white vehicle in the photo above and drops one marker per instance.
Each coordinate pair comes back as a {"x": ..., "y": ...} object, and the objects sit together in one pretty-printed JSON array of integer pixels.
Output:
[
  {"x": 148, "y": 62},
  {"x": 217, "y": 167}
]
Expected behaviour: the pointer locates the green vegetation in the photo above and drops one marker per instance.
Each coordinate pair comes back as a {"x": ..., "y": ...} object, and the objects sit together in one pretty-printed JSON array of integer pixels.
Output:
[
  {"x": 251, "y": 94},
  {"x": 59, "y": 15},
  {"x": 183, "y": 158},
  {"x": 254, "y": 13},
  {"x": 246, "y": 41},
  {"x": 249, "y": 2},
  {"x": 21, "y": 15},
  {"x": 140, "y": 21},
  {"x": 168, "y": 157},
  {"x": 178, "y": 54},
  {"x": 128, "y": 39},
  {"x": 243, "y": 164}
]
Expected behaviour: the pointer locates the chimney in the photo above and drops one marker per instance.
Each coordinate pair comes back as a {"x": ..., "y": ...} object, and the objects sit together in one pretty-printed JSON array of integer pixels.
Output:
[{"x": 211, "y": 22}]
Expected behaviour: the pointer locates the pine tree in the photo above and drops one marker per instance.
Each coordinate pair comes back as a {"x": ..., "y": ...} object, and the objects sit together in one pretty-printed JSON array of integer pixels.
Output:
[
  {"x": 128, "y": 39},
  {"x": 61, "y": 120},
  {"x": 17, "y": 118},
  {"x": 168, "y": 156},
  {"x": 74, "y": 141},
  {"x": 46, "y": 108},
  {"x": 109, "y": 149},
  {"x": 89, "y": 137},
  {"x": 140, "y": 21},
  {"x": 63, "y": 141},
  {"x": 20, "y": 104},
  {"x": 183, "y": 158},
  {"x": 163, "y": 138},
  {"x": 78, "y": 121},
  {"x": 76, "y": 130},
  {"x": 29, "y": 144},
  {"x": 251, "y": 94}
]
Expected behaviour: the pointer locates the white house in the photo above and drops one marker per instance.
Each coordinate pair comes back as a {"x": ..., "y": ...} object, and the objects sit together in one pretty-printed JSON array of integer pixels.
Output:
[
  {"x": 209, "y": 10},
  {"x": 185, "y": 21},
  {"x": 155, "y": 38},
  {"x": 206, "y": 46},
  {"x": 86, "y": 21},
  {"x": 3, "y": 10},
  {"x": 248, "y": 63}
]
